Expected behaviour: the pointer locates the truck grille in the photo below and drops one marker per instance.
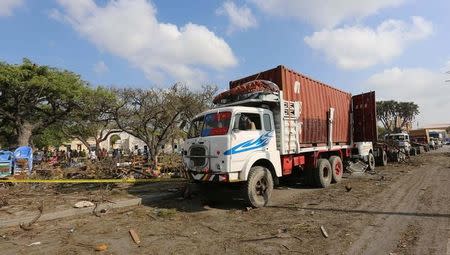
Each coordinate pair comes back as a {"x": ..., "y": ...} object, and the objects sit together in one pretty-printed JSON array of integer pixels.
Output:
[{"x": 198, "y": 156}]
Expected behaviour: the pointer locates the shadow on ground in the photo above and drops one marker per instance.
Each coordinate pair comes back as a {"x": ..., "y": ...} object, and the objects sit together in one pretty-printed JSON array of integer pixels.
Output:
[{"x": 197, "y": 199}]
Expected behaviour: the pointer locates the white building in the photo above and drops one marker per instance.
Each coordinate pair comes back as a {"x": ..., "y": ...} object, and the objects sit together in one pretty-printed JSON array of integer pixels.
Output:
[{"x": 122, "y": 141}]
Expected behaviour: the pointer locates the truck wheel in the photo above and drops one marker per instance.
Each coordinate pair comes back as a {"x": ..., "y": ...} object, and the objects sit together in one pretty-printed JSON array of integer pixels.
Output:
[
  {"x": 323, "y": 173},
  {"x": 371, "y": 161},
  {"x": 396, "y": 157},
  {"x": 383, "y": 159},
  {"x": 259, "y": 186},
  {"x": 337, "y": 168}
]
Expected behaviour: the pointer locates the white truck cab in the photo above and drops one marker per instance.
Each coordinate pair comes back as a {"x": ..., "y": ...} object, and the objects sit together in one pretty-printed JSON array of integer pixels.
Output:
[{"x": 224, "y": 143}]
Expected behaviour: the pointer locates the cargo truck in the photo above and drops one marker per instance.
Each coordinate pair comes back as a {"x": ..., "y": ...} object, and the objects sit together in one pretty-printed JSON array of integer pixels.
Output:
[{"x": 274, "y": 124}]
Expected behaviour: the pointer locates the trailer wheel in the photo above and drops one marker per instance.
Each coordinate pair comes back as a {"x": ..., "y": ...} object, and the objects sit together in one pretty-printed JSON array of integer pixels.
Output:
[
  {"x": 323, "y": 173},
  {"x": 337, "y": 168},
  {"x": 259, "y": 186},
  {"x": 383, "y": 160},
  {"x": 396, "y": 157},
  {"x": 371, "y": 161}
]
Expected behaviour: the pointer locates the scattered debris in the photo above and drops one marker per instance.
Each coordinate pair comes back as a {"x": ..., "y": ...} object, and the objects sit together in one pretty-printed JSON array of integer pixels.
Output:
[
  {"x": 82, "y": 204},
  {"x": 348, "y": 188},
  {"x": 134, "y": 235},
  {"x": 101, "y": 247},
  {"x": 35, "y": 243},
  {"x": 27, "y": 226},
  {"x": 248, "y": 208},
  {"x": 207, "y": 226},
  {"x": 3, "y": 201},
  {"x": 324, "y": 232}
]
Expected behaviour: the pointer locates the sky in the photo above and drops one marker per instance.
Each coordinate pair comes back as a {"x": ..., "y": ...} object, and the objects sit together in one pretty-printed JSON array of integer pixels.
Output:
[{"x": 398, "y": 48}]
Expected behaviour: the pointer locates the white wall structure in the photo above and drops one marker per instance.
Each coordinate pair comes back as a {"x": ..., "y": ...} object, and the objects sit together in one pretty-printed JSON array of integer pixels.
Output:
[{"x": 127, "y": 143}]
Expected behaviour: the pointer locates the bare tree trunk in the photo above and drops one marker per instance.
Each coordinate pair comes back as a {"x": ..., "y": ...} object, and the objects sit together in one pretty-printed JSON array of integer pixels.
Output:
[
  {"x": 153, "y": 157},
  {"x": 24, "y": 136}
]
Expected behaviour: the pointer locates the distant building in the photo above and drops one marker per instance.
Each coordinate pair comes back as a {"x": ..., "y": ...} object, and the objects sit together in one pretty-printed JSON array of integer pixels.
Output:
[{"x": 122, "y": 141}]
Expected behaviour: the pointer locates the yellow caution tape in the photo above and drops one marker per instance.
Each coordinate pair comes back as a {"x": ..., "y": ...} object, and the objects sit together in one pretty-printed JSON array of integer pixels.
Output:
[{"x": 92, "y": 180}]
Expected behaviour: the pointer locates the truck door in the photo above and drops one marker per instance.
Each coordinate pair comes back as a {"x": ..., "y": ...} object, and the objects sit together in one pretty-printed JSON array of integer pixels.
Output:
[
  {"x": 364, "y": 108},
  {"x": 247, "y": 137}
]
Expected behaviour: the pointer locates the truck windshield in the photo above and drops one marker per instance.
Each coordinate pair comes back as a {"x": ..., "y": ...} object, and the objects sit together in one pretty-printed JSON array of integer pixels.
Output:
[{"x": 210, "y": 125}]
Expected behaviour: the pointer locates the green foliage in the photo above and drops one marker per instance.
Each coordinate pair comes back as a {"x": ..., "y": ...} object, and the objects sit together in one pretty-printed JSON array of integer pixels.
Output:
[
  {"x": 50, "y": 136},
  {"x": 396, "y": 115},
  {"x": 33, "y": 96},
  {"x": 113, "y": 139},
  {"x": 94, "y": 117}
]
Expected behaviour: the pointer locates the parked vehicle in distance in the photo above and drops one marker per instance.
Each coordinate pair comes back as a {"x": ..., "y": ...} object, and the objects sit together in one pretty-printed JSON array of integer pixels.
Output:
[
  {"x": 400, "y": 140},
  {"x": 277, "y": 123}
]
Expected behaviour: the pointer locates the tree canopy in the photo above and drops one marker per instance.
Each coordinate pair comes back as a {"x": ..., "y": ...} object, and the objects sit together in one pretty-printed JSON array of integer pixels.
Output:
[
  {"x": 46, "y": 106},
  {"x": 155, "y": 115},
  {"x": 33, "y": 97},
  {"x": 395, "y": 116}
]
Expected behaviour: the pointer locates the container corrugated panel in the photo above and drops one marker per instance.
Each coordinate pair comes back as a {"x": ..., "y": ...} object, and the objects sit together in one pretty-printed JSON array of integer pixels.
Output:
[
  {"x": 316, "y": 99},
  {"x": 364, "y": 117}
]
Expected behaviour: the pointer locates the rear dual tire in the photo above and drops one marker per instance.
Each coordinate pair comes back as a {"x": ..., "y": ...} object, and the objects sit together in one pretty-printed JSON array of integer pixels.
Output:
[
  {"x": 323, "y": 173},
  {"x": 337, "y": 169}
]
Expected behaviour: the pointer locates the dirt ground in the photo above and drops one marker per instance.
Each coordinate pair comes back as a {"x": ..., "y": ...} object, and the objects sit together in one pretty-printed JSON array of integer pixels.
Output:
[{"x": 402, "y": 209}]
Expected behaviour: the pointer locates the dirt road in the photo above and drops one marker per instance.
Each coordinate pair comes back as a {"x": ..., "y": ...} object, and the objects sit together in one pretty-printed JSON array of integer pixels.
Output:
[{"x": 403, "y": 209}]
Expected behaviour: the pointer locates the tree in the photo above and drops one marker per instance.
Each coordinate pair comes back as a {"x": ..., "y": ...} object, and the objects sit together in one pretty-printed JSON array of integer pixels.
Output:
[
  {"x": 49, "y": 136},
  {"x": 395, "y": 116},
  {"x": 94, "y": 119},
  {"x": 33, "y": 97},
  {"x": 154, "y": 115}
]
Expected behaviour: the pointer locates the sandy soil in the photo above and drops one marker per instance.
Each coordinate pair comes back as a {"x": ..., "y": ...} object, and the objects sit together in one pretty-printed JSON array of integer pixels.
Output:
[{"x": 403, "y": 209}]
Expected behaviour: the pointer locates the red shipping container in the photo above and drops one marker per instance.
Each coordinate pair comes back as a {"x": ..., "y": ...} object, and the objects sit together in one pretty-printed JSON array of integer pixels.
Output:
[{"x": 316, "y": 99}]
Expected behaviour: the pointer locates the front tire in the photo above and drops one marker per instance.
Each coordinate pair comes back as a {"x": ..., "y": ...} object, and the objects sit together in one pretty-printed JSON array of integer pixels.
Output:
[
  {"x": 259, "y": 187},
  {"x": 383, "y": 160},
  {"x": 371, "y": 161}
]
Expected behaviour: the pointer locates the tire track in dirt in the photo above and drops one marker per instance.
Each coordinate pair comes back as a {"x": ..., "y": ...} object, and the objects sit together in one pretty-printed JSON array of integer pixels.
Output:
[
  {"x": 398, "y": 207},
  {"x": 436, "y": 198}
]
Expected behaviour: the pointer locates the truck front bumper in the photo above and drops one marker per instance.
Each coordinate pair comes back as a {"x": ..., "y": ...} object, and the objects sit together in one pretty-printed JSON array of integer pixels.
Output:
[{"x": 213, "y": 177}]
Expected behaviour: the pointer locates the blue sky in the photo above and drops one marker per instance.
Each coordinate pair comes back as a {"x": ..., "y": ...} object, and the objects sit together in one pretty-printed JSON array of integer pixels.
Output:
[{"x": 399, "y": 48}]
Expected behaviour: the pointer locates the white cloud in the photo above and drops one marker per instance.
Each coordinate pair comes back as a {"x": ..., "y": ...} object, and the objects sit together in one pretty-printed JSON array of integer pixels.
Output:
[
  {"x": 7, "y": 6},
  {"x": 358, "y": 47},
  {"x": 240, "y": 18},
  {"x": 325, "y": 13},
  {"x": 425, "y": 87},
  {"x": 130, "y": 29},
  {"x": 100, "y": 68}
]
